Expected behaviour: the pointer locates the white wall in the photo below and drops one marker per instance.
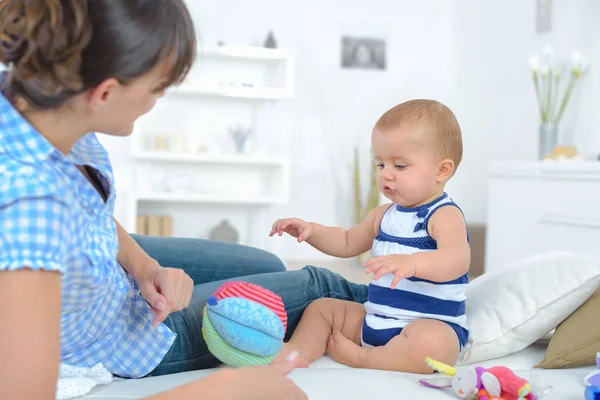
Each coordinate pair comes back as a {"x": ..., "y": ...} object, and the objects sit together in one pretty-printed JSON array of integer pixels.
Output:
[
  {"x": 470, "y": 54},
  {"x": 420, "y": 64},
  {"x": 493, "y": 93}
]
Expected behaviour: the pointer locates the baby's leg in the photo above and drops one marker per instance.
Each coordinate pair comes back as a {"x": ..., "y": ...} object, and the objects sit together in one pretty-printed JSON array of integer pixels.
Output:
[
  {"x": 405, "y": 352},
  {"x": 320, "y": 319}
]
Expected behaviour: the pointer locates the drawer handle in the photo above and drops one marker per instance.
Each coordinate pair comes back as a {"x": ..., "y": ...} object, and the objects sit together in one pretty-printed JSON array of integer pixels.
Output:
[{"x": 569, "y": 220}]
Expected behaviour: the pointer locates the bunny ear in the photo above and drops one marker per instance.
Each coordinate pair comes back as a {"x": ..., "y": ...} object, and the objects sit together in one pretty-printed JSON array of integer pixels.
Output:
[
  {"x": 440, "y": 367},
  {"x": 437, "y": 382},
  {"x": 537, "y": 388}
]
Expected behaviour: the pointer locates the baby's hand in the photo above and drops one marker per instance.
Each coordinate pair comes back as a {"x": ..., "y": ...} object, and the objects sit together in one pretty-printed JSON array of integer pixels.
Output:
[
  {"x": 401, "y": 265},
  {"x": 293, "y": 226}
]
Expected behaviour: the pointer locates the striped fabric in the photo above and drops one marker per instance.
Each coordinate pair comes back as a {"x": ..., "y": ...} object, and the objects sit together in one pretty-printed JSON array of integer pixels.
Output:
[
  {"x": 227, "y": 353},
  {"x": 256, "y": 293},
  {"x": 244, "y": 324},
  {"x": 404, "y": 231}
]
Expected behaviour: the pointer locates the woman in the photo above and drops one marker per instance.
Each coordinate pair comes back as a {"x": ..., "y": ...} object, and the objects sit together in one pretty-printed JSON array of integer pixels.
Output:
[{"x": 77, "y": 288}]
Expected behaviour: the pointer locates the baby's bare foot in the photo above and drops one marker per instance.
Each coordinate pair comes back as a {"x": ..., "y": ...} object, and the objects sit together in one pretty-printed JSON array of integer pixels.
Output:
[
  {"x": 287, "y": 349},
  {"x": 345, "y": 351}
]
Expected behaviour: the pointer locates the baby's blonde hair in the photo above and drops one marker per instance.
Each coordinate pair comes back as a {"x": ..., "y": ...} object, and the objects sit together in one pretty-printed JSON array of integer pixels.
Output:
[{"x": 442, "y": 124}]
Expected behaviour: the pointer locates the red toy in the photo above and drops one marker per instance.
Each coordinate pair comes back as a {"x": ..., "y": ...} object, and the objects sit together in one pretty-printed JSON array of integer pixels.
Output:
[{"x": 495, "y": 383}]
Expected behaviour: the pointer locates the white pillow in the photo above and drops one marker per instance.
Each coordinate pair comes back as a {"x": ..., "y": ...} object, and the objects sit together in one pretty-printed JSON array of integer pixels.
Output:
[{"x": 510, "y": 308}]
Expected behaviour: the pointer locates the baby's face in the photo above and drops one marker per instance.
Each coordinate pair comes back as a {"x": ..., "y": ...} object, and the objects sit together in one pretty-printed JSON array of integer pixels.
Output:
[{"x": 407, "y": 165}]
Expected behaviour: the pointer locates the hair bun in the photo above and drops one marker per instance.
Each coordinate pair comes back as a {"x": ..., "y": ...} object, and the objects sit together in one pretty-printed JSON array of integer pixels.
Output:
[{"x": 44, "y": 39}]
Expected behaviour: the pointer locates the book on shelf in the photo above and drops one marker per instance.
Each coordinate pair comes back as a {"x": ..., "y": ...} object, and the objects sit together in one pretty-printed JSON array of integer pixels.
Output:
[{"x": 154, "y": 225}]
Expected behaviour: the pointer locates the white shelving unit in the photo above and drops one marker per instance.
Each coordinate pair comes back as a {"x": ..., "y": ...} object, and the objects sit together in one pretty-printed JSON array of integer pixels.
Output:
[
  {"x": 200, "y": 188},
  {"x": 265, "y": 74},
  {"x": 251, "y": 160},
  {"x": 207, "y": 199},
  {"x": 253, "y": 93}
]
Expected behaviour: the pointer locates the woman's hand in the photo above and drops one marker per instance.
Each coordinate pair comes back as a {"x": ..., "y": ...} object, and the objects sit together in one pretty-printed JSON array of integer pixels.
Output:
[
  {"x": 249, "y": 383},
  {"x": 263, "y": 383},
  {"x": 166, "y": 290}
]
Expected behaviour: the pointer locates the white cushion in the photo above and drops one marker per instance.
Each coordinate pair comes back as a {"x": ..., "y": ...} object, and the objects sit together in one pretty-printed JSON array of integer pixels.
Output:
[{"x": 512, "y": 307}]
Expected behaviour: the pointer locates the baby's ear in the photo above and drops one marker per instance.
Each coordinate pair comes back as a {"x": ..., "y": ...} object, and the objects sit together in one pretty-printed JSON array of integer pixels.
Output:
[{"x": 445, "y": 170}]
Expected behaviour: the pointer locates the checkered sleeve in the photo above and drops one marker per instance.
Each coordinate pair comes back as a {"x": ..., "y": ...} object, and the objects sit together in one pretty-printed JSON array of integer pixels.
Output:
[{"x": 34, "y": 233}]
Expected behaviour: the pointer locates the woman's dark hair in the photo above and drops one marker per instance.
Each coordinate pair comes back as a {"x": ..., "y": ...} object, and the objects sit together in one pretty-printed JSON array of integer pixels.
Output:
[{"x": 59, "y": 48}]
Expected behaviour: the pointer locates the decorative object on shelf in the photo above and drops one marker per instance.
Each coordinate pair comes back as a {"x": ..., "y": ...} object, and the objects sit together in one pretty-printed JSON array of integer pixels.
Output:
[
  {"x": 270, "y": 42},
  {"x": 547, "y": 80},
  {"x": 178, "y": 143},
  {"x": 240, "y": 137},
  {"x": 204, "y": 143},
  {"x": 224, "y": 232},
  {"x": 565, "y": 153},
  {"x": 178, "y": 184},
  {"x": 361, "y": 210},
  {"x": 160, "y": 142}
]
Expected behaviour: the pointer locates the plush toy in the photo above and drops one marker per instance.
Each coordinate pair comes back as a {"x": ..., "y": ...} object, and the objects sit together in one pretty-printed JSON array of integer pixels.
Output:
[
  {"x": 496, "y": 383},
  {"x": 592, "y": 382},
  {"x": 592, "y": 393},
  {"x": 244, "y": 324}
]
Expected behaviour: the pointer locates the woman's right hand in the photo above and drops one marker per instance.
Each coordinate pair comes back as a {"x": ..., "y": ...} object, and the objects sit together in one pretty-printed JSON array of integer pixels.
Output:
[
  {"x": 295, "y": 227},
  {"x": 263, "y": 383},
  {"x": 268, "y": 382}
]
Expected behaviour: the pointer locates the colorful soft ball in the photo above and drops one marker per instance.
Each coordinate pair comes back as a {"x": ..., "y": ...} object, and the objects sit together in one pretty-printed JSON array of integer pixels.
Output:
[{"x": 244, "y": 324}]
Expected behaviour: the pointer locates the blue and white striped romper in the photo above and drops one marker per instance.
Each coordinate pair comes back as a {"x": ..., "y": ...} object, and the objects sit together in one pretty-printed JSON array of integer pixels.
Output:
[{"x": 404, "y": 231}]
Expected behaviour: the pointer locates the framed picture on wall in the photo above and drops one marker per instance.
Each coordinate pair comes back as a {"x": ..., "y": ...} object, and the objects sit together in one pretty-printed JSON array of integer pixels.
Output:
[
  {"x": 363, "y": 44},
  {"x": 363, "y": 53}
]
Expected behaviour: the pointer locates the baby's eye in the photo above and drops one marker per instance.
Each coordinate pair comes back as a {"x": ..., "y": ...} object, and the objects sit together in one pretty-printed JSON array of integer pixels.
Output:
[
  {"x": 379, "y": 165},
  {"x": 400, "y": 166}
]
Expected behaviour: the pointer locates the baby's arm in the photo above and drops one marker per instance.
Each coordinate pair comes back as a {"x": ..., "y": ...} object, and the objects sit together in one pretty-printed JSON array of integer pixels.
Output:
[
  {"x": 339, "y": 242},
  {"x": 453, "y": 255}
]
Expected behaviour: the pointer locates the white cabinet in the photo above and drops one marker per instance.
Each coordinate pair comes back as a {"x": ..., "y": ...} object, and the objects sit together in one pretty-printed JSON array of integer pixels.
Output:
[{"x": 541, "y": 206}]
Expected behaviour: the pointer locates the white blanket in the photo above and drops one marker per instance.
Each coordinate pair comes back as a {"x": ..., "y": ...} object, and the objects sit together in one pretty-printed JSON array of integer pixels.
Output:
[
  {"x": 78, "y": 381},
  {"x": 328, "y": 380}
]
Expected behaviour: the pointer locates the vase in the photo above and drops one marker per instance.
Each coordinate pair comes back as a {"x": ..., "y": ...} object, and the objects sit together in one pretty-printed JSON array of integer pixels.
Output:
[
  {"x": 548, "y": 140},
  {"x": 224, "y": 232},
  {"x": 270, "y": 42}
]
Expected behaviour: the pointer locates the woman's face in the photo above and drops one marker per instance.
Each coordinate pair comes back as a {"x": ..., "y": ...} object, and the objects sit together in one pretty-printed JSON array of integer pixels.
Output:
[{"x": 124, "y": 104}]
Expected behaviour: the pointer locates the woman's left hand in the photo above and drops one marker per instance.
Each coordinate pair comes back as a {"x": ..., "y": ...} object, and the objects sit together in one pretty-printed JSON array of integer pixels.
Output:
[{"x": 166, "y": 290}]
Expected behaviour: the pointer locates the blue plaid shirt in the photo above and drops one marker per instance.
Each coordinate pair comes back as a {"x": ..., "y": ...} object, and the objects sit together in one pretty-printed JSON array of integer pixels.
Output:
[{"x": 52, "y": 218}]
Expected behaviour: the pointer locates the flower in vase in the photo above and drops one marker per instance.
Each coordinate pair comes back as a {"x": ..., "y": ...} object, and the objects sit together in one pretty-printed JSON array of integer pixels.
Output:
[
  {"x": 578, "y": 63},
  {"x": 547, "y": 82},
  {"x": 548, "y": 65},
  {"x": 534, "y": 63}
]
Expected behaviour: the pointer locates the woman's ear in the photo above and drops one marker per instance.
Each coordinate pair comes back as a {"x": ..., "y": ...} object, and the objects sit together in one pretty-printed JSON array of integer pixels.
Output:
[
  {"x": 103, "y": 93},
  {"x": 445, "y": 170}
]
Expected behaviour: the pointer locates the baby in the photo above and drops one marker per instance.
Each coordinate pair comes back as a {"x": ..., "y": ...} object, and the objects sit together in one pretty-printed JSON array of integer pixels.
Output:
[{"x": 421, "y": 254}]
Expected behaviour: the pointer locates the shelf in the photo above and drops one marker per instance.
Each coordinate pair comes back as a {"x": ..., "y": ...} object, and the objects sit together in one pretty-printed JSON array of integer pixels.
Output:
[
  {"x": 240, "y": 92},
  {"x": 207, "y": 199},
  {"x": 248, "y": 52},
  {"x": 166, "y": 156}
]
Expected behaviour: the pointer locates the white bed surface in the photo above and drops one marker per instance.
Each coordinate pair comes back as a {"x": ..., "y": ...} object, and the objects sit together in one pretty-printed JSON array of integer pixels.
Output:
[{"x": 328, "y": 380}]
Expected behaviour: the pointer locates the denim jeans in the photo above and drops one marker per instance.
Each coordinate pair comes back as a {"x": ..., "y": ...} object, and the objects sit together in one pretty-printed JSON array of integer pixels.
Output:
[{"x": 210, "y": 264}]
